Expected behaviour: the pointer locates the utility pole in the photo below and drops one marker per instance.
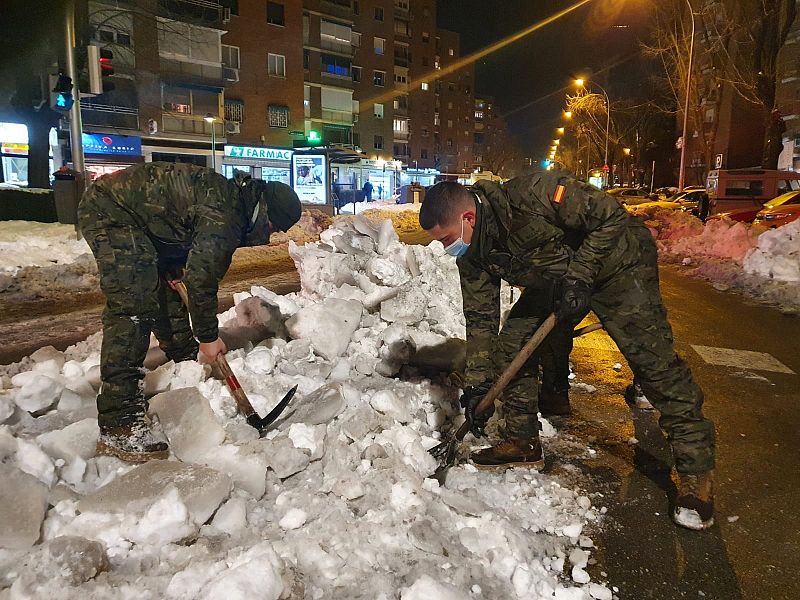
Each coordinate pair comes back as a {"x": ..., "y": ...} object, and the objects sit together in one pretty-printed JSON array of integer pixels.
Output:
[
  {"x": 685, "y": 137},
  {"x": 75, "y": 123}
]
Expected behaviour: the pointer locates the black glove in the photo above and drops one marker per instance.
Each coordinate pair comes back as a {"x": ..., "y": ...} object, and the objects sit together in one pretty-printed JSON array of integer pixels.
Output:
[
  {"x": 470, "y": 399},
  {"x": 576, "y": 302}
]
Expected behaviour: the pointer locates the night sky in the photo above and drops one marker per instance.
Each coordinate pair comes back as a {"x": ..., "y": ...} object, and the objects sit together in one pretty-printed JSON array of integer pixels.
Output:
[{"x": 529, "y": 78}]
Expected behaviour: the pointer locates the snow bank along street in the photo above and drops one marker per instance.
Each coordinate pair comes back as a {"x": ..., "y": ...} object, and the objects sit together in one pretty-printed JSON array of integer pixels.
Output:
[
  {"x": 764, "y": 265},
  {"x": 333, "y": 503}
]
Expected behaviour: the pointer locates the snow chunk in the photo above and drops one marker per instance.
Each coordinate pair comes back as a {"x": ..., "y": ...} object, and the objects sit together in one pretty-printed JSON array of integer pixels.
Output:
[
  {"x": 254, "y": 574},
  {"x": 777, "y": 255},
  {"x": 166, "y": 521},
  {"x": 309, "y": 437},
  {"x": 293, "y": 519},
  {"x": 188, "y": 421},
  {"x": 77, "y": 440},
  {"x": 387, "y": 402},
  {"x": 39, "y": 393},
  {"x": 200, "y": 489},
  {"x": 426, "y": 588},
  {"x": 23, "y": 501},
  {"x": 329, "y": 325}
]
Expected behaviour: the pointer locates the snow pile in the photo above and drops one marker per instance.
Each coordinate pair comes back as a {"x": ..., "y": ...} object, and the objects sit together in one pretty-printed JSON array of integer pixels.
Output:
[
  {"x": 764, "y": 265},
  {"x": 777, "y": 255},
  {"x": 30, "y": 244},
  {"x": 333, "y": 503},
  {"x": 681, "y": 234}
]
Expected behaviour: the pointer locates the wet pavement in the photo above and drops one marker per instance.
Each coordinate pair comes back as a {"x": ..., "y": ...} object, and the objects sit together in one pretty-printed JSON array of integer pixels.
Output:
[{"x": 752, "y": 551}]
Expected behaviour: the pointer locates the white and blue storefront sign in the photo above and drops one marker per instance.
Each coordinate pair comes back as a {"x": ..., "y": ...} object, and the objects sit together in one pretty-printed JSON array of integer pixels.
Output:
[
  {"x": 112, "y": 145},
  {"x": 261, "y": 162}
]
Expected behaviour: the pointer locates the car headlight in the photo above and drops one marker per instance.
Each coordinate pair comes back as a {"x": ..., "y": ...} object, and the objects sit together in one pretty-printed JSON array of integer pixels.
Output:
[{"x": 775, "y": 216}]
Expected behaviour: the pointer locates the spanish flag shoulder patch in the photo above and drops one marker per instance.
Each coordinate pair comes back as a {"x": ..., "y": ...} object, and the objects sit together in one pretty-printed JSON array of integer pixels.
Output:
[{"x": 559, "y": 193}]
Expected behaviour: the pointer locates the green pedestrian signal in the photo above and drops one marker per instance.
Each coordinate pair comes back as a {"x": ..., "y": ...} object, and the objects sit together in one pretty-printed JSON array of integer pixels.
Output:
[
  {"x": 314, "y": 138},
  {"x": 61, "y": 93}
]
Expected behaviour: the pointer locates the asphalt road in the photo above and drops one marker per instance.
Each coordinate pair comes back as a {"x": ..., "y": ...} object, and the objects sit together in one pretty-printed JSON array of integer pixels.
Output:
[{"x": 752, "y": 551}]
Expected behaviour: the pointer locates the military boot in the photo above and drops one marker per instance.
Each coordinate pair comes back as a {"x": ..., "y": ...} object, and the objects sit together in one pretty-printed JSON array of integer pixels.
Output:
[
  {"x": 133, "y": 442},
  {"x": 694, "y": 507},
  {"x": 511, "y": 453},
  {"x": 553, "y": 403}
]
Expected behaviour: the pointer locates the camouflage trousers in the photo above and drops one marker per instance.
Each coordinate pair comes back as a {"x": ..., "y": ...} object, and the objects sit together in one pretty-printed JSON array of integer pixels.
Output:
[
  {"x": 521, "y": 397},
  {"x": 631, "y": 309},
  {"x": 138, "y": 302}
]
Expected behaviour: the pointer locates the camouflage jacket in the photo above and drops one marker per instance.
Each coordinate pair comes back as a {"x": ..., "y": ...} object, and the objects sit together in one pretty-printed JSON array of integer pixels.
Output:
[
  {"x": 194, "y": 217},
  {"x": 533, "y": 236}
]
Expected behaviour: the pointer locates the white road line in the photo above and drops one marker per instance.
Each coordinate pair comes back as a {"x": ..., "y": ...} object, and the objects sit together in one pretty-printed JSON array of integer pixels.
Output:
[{"x": 741, "y": 359}]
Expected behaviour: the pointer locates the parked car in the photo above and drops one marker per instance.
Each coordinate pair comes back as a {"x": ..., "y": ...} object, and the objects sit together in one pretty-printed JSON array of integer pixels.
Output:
[
  {"x": 744, "y": 215},
  {"x": 630, "y": 196},
  {"x": 784, "y": 209},
  {"x": 693, "y": 199}
]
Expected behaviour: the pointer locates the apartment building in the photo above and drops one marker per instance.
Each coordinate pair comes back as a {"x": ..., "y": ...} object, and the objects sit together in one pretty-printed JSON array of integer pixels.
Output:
[
  {"x": 421, "y": 102},
  {"x": 455, "y": 108},
  {"x": 486, "y": 124},
  {"x": 263, "y": 73},
  {"x": 788, "y": 98}
]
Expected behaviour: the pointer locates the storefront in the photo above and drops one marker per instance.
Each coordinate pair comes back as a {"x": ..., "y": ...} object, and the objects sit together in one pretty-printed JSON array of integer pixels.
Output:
[
  {"x": 105, "y": 153},
  {"x": 14, "y": 153},
  {"x": 385, "y": 176},
  {"x": 260, "y": 162},
  {"x": 424, "y": 177}
]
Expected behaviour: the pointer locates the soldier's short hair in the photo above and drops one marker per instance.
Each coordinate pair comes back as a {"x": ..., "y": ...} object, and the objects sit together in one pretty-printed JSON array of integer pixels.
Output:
[{"x": 443, "y": 203}]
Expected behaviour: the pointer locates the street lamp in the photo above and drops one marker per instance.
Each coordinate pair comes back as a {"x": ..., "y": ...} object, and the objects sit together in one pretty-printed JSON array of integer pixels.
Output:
[
  {"x": 581, "y": 83},
  {"x": 556, "y": 142},
  {"x": 567, "y": 114},
  {"x": 209, "y": 118},
  {"x": 560, "y": 131},
  {"x": 684, "y": 140}
]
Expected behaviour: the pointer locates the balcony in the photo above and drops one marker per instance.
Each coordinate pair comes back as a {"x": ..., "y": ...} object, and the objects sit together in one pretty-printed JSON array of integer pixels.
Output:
[
  {"x": 174, "y": 122},
  {"x": 199, "y": 74},
  {"x": 337, "y": 8},
  {"x": 199, "y": 12},
  {"x": 109, "y": 116},
  {"x": 339, "y": 117}
]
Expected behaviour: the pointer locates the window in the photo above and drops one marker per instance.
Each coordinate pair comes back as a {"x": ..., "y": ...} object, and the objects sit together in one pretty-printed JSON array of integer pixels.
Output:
[
  {"x": 278, "y": 116},
  {"x": 379, "y": 44},
  {"x": 230, "y": 56},
  {"x": 426, "y": 37},
  {"x": 449, "y": 123},
  {"x": 355, "y": 38},
  {"x": 335, "y": 36},
  {"x": 336, "y": 65},
  {"x": 232, "y": 5},
  {"x": 744, "y": 188},
  {"x": 379, "y": 78},
  {"x": 436, "y": 119},
  {"x": 275, "y": 15},
  {"x": 276, "y": 64},
  {"x": 450, "y": 52},
  {"x": 400, "y": 126},
  {"x": 449, "y": 144},
  {"x": 424, "y": 86},
  {"x": 234, "y": 110},
  {"x": 356, "y": 74},
  {"x": 377, "y": 142},
  {"x": 379, "y": 13},
  {"x": 424, "y": 132},
  {"x": 105, "y": 35},
  {"x": 402, "y": 28},
  {"x": 449, "y": 106},
  {"x": 377, "y": 110},
  {"x": 423, "y": 153},
  {"x": 479, "y": 114},
  {"x": 306, "y": 59},
  {"x": 398, "y": 78},
  {"x": 123, "y": 39}
]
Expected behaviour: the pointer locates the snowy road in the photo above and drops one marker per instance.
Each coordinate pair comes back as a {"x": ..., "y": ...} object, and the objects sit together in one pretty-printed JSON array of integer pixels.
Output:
[{"x": 751, "y": 553}]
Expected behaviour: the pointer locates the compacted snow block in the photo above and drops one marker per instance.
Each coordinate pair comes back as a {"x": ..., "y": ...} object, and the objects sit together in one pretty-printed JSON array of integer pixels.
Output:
[
  {"x": 23, "y": 501},
  {"x": 75, "y": 558},
  {"x": 329, "y": 325},
  {"x": 77, "y": 440},
  {"x": 188, "y": 422},
  {"x": 200, "y": 489}
]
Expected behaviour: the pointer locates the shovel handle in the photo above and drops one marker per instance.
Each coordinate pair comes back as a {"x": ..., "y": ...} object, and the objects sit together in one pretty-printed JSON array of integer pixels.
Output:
[
  {"x": 242, "y": 401},
  {"x": 511, "y": 370}
]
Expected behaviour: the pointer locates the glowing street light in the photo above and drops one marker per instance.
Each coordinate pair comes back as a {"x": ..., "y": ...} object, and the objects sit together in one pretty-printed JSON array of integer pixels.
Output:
[
  {"x": 567, "y": 114},
  {"x": 560, "y": 131},
  {"x": 211, "y": 119},
  {"x": 556, "y": 142},
  {"x": 581, "y": 83}
]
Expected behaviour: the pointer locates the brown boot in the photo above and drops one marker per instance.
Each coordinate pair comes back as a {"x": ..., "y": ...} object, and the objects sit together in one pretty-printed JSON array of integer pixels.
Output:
[
  {"x": 554, "y": 404},
  {"x": 694, "y": 507},
  {"x": 134, "y": 442},
  {"x": 511, "y": 453}
]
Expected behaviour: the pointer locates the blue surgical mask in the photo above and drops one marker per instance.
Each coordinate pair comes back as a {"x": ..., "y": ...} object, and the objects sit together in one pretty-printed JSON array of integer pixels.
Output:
[{"x": 459, "y": 247}]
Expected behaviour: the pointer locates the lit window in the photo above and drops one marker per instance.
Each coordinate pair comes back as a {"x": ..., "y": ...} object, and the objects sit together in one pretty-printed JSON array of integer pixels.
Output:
[
  {"x": 424, "y": 86},
  {"x": 278, "y": 116},
  {"x": 379, "y": 45},
  {"x": 377, "y": 110},
  {"x": 379, "y": 78}
]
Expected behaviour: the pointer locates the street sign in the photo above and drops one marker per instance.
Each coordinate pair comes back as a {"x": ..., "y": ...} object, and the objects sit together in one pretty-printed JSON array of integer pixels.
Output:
[
  {"x": 718, "y": 161},
  {"x": 605, "y": 169}
]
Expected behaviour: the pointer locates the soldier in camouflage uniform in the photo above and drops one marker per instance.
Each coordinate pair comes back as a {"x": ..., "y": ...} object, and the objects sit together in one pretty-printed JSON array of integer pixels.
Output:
[
  {"x": 145, "y": 225},
  {"x": 559, "y": 237}
]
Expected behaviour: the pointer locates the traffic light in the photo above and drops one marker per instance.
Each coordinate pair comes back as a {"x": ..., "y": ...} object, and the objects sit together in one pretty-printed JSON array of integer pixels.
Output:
[
  {"x": 100, "y": 66},
  {"x": 61, "y": 93}
]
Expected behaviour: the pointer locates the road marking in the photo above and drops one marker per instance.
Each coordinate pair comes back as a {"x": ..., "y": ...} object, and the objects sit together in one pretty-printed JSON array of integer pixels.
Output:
[{"x": 742, "y": 359}]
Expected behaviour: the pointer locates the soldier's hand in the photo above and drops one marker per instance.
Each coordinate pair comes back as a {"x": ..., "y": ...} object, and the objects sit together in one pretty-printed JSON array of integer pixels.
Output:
[
  {"x": 576, "y": 302},
  {"x": 469, "y": 401},
  {"x": 210, "y": 350}
]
